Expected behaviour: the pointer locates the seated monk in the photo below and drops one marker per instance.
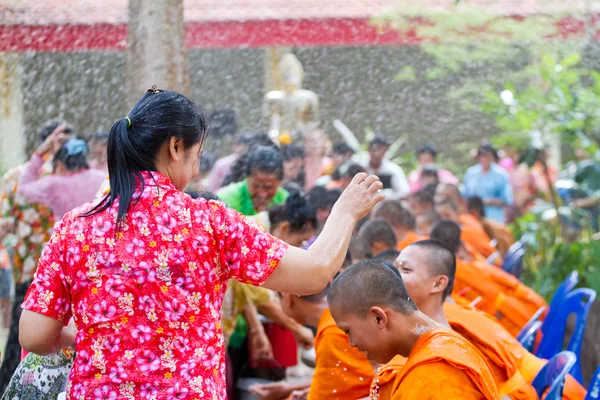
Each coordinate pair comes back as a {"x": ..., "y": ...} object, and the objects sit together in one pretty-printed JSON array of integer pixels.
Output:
[
  {"x": 341, "y": 372},
  {"x": 428, "y": 271},
  {"x": 447, "y": 191},
  {"x": 424, "y": 223},
  {"x": 475, "y": 238},
  {"x": 379, "y": 235},
  {"x": 497, "y": 231},
  {"x": 369, "y": 302},
  {"x": 402, "y": 220},
  {"x": 497, "y": 292}
]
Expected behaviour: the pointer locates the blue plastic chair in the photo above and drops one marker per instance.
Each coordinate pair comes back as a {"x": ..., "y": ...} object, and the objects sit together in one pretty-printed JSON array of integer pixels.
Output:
[
  {"x": 577, "y": 302},
  {"x": 528, "y": 334},
  {"x": 563, "y": 289},
  {"x": 593, "y": 392},
  {"x": 552, "y": 376},
  {"x": 513, "y": 264}
]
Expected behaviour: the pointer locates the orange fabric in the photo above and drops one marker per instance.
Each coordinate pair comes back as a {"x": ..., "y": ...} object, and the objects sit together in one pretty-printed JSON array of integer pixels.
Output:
[
  {"x": 530, "y": 367},
  {"x": 468, "y": 220},
  {"x": 443, "y": 365},
  {"x": 342, "y": 372},
  {"x": 502, "y": 295},
  {"x": 477, "y": 239},
  {"x": 503, "y": 353},
  {"x": 409, "y": 238},
  {"x": 500, "y": 233}
]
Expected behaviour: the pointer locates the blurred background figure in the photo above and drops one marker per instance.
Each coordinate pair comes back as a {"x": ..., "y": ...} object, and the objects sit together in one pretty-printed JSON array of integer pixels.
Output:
[
  {"x": 97, "y": 156},
  {"x": 391, "y": 175},
  {"x": 426, "y": 158}
]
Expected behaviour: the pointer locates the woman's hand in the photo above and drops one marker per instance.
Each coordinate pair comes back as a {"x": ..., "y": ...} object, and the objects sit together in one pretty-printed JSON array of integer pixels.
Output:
[
  {"x": 53, "y": 141},
  {"x": 360, "y": 197}
]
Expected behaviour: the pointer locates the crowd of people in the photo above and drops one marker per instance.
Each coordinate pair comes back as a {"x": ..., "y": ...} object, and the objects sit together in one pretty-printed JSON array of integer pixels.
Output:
[{"x": 143, "y": 268}]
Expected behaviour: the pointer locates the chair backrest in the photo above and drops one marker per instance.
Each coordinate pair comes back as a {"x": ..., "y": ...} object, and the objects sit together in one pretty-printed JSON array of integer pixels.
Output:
[
  {"x": 577, "y": 302},
  {"x": 528, "y": 334},
  {"x": 552, "y": 376},
  {"x": 561, "y": 291},
  {"x": 514, "y": 264},
  {"x": 593, "y": 392}
]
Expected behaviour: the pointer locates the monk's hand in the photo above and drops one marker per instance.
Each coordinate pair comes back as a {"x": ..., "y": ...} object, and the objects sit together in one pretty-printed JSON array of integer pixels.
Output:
[
  {"x": 270, "y": 391},
  {"x": 305, "y": 337},
  {"x": 300, "y": 394},
  {"x": 359, "y": 198}
]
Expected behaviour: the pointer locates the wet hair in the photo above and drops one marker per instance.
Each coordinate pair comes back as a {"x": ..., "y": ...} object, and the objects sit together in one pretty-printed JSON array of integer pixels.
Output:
[
  {"x": 393, "y": 212},
  {"x": 475, "y": 204},
  {"x": 427, "y": 149},
  {"x": 239, "y": 169},
  {"x": 49, "y": 126},
  {"x": 134, "y": 142},
  {"x": 73, "y": 155},
  {"x": 424, "y": 196},
  {"x": 207, "y": 162},
  {"x": 291, "y": 152},
  {"x": 488, "y": 148},
  {"x": 440, "y": 261},
  {"x": 323, "y": 199},
  {"x": 350, "y": 170},
  {"x": 342, "y": 148},
  {"x": 367, "y": 284},
  {"x": 447, "y": 233},
  {"x": 296, "y": 210},
  {"x": 267, "y": 160},
  {"x": 387, "y": 255},
  {"x": 378, "y": 230},
  {"x": 359, "y": 249},
  {"x": 203, "y": 194},
  {"x": 379, "y": 140}
]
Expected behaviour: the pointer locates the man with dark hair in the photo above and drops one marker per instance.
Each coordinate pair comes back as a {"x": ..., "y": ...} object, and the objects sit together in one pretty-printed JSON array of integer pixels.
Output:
[
  {"x": 426, "y": 157},
  {"x": 428, "y": 269},
  {"x": 402, "y": 220},
  {"x": 498, "y": 293},
  {"x": 379, "y": 235},
  {"x": 323, "y": 200},
  {"x": 370, "y": 302},
  {"x": 31, "y": 224},
  {"x": 391, "y": 175}
]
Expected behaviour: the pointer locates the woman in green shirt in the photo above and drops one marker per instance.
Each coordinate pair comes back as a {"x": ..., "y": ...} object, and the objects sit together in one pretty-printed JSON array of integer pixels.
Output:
[{"x": 262, "y": 187}]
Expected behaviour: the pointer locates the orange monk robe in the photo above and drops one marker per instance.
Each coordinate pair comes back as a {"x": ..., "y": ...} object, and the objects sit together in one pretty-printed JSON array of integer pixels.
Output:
[
  {"x": 342, "y": 372},
  {"x": 409, "y": 238},
  {"x": 478, "y": 240},
  {"x": 503, "y": 353},
  {"x": 441, "y": 365},
  {"x": 499, "y": 232},
  {"x": 532, "y": 365},
  {"x": 502, "y": 295},
  {"x": 468, "y": 220}
]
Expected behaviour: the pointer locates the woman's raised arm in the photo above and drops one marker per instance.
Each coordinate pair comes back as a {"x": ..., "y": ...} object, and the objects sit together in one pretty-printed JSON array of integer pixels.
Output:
[{"x": 304, "y": 272}]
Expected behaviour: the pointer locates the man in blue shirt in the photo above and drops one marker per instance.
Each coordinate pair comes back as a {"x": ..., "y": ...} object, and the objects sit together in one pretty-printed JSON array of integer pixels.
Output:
[{"x": 490, "y": 182}]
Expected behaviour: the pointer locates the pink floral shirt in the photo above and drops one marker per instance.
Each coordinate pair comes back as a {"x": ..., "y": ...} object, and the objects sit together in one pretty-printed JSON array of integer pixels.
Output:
[{"x": 146, "y": 299}]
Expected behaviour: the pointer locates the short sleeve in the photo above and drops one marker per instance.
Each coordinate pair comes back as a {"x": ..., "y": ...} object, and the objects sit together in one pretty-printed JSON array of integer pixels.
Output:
[
  {"x": 49, "y": 293},
  {"x": 247, "y": 252}
]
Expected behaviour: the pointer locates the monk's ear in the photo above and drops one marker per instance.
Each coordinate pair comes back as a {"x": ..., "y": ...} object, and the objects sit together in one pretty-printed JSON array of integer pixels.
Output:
[
  {"x": 440, "y": 284},
  {"x": 380, "y": 317}
]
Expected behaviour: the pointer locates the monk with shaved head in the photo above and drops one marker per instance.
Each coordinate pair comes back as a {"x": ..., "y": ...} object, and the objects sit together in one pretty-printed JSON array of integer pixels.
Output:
[
  {"x": 428, "y": 270},
  {"x": 369, "y": 302},
  {"x": 401, "y": 219}
]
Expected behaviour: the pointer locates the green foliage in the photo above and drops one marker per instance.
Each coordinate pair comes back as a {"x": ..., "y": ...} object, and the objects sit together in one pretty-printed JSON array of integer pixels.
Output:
[{"x": 555, "y": 249}]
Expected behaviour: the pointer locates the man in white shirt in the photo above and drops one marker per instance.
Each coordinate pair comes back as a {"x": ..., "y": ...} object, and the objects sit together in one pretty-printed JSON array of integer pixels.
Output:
[{"x": 391, "y": 175}]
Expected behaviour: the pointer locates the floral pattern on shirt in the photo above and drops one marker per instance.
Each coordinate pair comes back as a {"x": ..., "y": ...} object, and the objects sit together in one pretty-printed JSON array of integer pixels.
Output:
[
  {"x": 146, "y": 298},
  {"x": 30, "y": 223}
]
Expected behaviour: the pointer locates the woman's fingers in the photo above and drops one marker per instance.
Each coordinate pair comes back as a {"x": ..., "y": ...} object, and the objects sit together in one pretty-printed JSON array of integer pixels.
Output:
[{"x": 375, "y": 186}]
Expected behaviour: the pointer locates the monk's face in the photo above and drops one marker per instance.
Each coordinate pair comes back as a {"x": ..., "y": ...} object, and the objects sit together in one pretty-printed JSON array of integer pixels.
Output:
[
  {"x": 420, "y": 284},
  {"x": 366, "y": 334},
  {"x": 445, "y": 211}
]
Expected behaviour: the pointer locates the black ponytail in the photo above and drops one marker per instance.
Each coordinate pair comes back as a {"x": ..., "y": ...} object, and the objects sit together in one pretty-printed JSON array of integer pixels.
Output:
[
  {"x": 296, "y": 210},
  {"x": 134, "y": 142}
]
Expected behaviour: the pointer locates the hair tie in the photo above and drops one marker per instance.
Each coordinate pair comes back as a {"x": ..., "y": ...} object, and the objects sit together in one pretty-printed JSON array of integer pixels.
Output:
[
  {"x": 75, "y": 146},
  {"x": 128, "y": 122}
]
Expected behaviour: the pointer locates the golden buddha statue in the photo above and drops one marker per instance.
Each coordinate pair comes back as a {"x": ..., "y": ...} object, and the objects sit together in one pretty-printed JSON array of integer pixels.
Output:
[{"x": 291, "y": 110}]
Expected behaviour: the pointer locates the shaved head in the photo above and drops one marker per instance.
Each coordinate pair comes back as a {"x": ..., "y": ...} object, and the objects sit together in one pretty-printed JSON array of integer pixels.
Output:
[
  {"x": 439, "y": 260},
  {"x": 367, "y": 284},
  {"x": 393, "y": 212},
  {"x": 447, "y": 233}
]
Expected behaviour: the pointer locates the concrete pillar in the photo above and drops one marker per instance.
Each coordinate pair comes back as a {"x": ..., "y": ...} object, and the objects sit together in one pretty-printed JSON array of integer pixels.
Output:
[
  {"x": 12, "y": 129},
  {"x": 156, "y": 53}
]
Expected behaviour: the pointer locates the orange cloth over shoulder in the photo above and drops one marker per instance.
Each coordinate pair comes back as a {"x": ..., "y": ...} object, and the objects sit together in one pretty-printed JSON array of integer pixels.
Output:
[
  {"x": 478, "y": 240},
  {"x": 502, "y": 295},
  {"x": 469, "y": 221},
  {"x": 445, "y": 365},
  {"x": 342, "y": 372},
  {"x": 409, "y": 238},
  {"x": 503, "y": 353},
  {"x": 532, "y": 365},
  {"x": 500, "y": 233}
]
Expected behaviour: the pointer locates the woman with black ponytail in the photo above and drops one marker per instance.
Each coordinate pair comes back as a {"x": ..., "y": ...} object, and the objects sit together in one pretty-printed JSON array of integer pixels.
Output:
[{"x": 143, "y": 271}]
